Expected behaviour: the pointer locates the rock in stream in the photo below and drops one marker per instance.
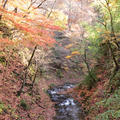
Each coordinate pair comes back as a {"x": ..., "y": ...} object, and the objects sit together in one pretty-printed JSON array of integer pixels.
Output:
[{"x": 66, "y": 107}]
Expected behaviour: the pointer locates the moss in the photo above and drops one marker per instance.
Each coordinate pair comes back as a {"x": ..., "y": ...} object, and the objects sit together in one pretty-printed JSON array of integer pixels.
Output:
[
  {"x": 24, "y": 105},
  {"x": 115, "y": 83},
  {"x": 112, "y": 111},
  {"x": 5, "y": 30},
  {"x": 32, "y": 70},
  {"x": 41, "y": 117},
  {"x": 2, "y": 107},
  {"x": 3, "y": 60},
  {"x": 59, "y": 73},
  {"x": 25, "y": 55},
  {"x": 51, "y": 85}
]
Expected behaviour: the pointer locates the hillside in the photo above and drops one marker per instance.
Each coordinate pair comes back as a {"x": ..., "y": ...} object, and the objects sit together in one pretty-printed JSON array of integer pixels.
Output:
[{"x": 59, "y": 60}]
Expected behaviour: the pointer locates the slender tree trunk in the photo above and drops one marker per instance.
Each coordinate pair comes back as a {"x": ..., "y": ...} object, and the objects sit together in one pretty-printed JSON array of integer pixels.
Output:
[
  {"x": 112, "y": 23},
  {"x": 31, "y": 57},
  {"x": 87, "y": 65},
  {"x": 34, "y": 78},
  {"x": 26, "y": 72},
  {"x": 4, "y": 5},
  {"x": 113, "y": 57}
]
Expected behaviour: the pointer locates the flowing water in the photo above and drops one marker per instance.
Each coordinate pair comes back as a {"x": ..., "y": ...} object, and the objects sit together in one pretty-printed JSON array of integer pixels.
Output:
[{"x": 66, "y": 107}]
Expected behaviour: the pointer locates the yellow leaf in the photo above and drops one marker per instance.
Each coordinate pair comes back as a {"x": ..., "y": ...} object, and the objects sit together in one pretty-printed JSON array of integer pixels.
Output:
[
  {"x": 68, "y": 57},
  {"x": 75, "y": 53},
  {"x": 69, "y": 46}
]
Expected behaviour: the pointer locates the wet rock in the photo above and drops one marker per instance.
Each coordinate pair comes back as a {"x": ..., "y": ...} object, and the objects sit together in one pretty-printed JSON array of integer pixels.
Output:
[
  {"x": 58, "y": 98},
  {"x": 66, "y": 107}
]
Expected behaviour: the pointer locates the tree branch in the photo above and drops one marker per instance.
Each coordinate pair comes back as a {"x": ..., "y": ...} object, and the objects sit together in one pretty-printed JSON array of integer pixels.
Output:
[
  {"x": 51, "y": 9},
  {"x": 5, "y": 3},
  {"x": 40, "y": 4}
]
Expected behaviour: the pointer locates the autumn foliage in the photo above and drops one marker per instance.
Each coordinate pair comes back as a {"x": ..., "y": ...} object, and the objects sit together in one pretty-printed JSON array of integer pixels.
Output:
[
  {"x": 34, "y": 27},
  {"x": 23, "y": 28}
]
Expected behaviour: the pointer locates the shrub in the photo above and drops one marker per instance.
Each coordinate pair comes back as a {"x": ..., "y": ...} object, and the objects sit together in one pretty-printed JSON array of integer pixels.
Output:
[
  {"x": 88, "y": 81},
  {"x": 24, "y": 105}
]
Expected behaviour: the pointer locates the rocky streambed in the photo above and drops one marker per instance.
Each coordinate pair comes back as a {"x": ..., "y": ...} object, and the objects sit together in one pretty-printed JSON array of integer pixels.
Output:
[{"x": 66, "y": 107}]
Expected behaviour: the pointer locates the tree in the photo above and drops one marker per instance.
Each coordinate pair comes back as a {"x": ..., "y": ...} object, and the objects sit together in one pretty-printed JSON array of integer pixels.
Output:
[
  {"x": 34, "y": 28},
  {"x": 109, "y": 19}
]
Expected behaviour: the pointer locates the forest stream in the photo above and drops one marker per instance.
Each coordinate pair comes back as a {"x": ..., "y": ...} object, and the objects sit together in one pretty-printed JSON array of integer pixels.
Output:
[{"x": 67, "y": 108}]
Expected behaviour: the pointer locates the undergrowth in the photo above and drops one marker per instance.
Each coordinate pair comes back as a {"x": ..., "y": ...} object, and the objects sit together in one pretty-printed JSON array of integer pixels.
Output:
[
  {"x": 111, "y": 107},
  {"x": 88, "y": 81}
]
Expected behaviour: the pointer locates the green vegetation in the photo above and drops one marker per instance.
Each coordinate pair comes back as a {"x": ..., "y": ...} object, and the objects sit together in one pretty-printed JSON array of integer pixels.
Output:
[
  {"x": 51, "y": 85},
  {"x": 24, "y": 105},
  {"x": 111, "y": 105},
  {"x": 59, "y": 73},
  {"x": 2, "y": 107},
  {"x": 104, "y": 47},
  {"x": 89, "y": 81},
  {"x": 28, "y": 56}
]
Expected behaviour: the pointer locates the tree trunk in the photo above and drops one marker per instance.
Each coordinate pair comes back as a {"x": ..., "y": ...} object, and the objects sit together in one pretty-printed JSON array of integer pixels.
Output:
[{"x": 26, "y": 72}]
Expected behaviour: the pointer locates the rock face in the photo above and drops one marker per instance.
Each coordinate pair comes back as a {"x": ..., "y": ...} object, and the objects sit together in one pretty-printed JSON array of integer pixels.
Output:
[
  {"x": 59, "y": 51},
  {"x": 62, "y": 38},
  {"x": 59, "y": 62}
]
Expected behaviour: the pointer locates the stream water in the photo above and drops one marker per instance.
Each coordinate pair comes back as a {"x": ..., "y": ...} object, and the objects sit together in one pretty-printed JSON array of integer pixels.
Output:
[{"x": 66, "y": 107}]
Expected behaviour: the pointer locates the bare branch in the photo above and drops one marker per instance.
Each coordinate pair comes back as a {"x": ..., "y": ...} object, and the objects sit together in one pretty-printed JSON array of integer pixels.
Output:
[
  {"x": 32, "y": 2},
  {"x": 5, "y": 3},
  {"x": 51, "y": 9},
  {"x": 102, "y": 24},
  {"x": 40, "y": 4}
]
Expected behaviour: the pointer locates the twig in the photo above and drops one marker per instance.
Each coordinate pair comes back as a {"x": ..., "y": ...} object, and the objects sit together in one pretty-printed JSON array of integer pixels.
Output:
[{"x": 40, "y": 4}]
